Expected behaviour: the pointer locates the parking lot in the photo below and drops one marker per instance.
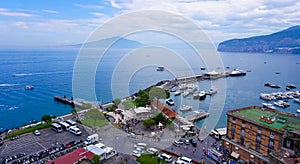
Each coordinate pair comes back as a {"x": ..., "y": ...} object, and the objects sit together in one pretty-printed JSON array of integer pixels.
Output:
[{"x": 30, "y": 143}]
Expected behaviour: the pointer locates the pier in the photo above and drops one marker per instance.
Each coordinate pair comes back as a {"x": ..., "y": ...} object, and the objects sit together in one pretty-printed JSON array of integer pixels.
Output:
[
  {"x": 64, "y": 100},
  {"x": 197, "y": 116}
]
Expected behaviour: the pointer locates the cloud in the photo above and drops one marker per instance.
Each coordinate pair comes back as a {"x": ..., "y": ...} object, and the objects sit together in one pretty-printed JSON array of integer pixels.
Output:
[
  {"x": 114, "y": 4},
  {"x": 51, "y": 11},
  {"x": 97, "y": 14},
  {"x": 89, "y": 6},
  {"x": 7, "y": 12}
]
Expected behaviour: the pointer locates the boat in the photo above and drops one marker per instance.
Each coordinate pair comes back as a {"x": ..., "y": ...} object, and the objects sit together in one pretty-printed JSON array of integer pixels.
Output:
[
  {"x": 274, "y": 86},
  {"x": 291, "y": 86},
  {"x": 185, "y": 93},
  {"x": 182, "y": 86},
  {"x": 176, "y": 93},
  {"x": 287, "y": 88},
  {"x": 237, "y": 73},
  {"x": 202, "y": 95},
  {"x": 170, "y": 102},
  {"x": 298, "y": 110},
  {"x": 268, "y": 105},
  {"x": 160, "y": 68},
  {"x": 297, "y": 100},
  {"x": 186, "y": 108},
  {"x": 281, "y": 104},
  {"x": 203, "y": 68},
  {"x": 212, "y": 91},
  {"x": 28, "y": 87}
]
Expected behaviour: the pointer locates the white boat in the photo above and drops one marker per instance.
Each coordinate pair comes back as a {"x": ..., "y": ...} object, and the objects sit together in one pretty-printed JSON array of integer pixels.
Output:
[
  {"x": 182, "y": 86},
  {"x": 281, "y": 104},
  {"x": 212, "y": 91},
  {"x": 237, "y": 73},
  {"x": 298, "y": 110},
  {"x": 186, "y": 93},
  {"x": 268, "y": 105},
  {"x": 202, "y": 95},
  {"x": 170, "y": 102},
  {"x": 297, "y": 100},
  {"x": 176, "y": 93},
  {"x": 28, "y": 87},
  {"x": 186, "y": 108}
]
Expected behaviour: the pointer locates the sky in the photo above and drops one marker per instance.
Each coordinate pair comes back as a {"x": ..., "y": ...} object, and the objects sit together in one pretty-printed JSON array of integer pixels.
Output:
[{"x": 29, "y": 23}]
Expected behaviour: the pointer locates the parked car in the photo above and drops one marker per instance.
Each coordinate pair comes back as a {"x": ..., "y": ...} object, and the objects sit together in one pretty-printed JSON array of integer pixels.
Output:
[
  {"x": 187, "y": 142},
  {"x": 136, "y": 153},
  {"x": 37, "y": 132},
  {"x": 14, "y": 138},
  {"x": 165, "y": 157},
  {"x": 131, "y": 135},
  {"x": 194, "y": 142}
]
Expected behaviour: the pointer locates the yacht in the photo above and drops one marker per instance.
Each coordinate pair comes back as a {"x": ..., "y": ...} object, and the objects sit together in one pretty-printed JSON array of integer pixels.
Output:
[
  {"x": 176, "y": 93},
  {"x": 298, "y": 110},
  {"x": 268, "y": 105},
  {"x": 170, "y": 102},
  {"x": 212, "y": 91},
  {"x": 186, "y": 108},
  {"x": 237, "y": 73},
  {"x": 297, "y": 100},
  {"x": 202, "y": 95}
]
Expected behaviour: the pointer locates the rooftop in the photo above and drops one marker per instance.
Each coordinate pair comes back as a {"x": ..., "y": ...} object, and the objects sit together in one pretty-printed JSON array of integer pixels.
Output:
[
  {"x": 73, "y": 157},
  {"x": 272, "y": 118}
]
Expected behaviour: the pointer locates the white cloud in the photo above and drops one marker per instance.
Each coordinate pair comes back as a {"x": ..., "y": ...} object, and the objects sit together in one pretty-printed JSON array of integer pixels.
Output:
[
  {"x": 98, "y": 14},
  {"x": 51, "y": 11},
  {"x": 7, "y": 12},
  {"x": 89, "y": 6},
  {"x": 114, "y": 4}
]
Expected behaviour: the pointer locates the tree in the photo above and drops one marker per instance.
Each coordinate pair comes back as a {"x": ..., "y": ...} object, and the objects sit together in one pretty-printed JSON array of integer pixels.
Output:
[
  {"x": 149, "y": 123},
  {"x": 159, "y": 93},
  {"x": 74, "y": 113},
  {"x": 143, "y": 99},
  {"x": 47, "y": 118},
  {"x": 117, "y": 101},
  {"x": 96, "y": 159}
]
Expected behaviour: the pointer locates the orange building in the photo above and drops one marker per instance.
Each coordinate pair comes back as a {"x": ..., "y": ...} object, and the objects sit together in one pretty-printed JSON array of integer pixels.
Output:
[{"x": 262, "y": 135}]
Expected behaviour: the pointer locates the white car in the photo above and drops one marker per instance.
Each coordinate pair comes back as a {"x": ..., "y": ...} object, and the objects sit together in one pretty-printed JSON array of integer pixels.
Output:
[
  {"x": 136, "y": 153},
  {"x": 37, "y": 132}
]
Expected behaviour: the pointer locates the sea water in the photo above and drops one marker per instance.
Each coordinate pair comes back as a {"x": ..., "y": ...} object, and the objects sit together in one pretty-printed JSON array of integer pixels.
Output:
[{"x": 51, "y": 71}]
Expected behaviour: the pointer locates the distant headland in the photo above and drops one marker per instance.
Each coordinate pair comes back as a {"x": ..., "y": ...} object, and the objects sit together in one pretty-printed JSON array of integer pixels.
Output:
[{"x": 282, "y": 42}]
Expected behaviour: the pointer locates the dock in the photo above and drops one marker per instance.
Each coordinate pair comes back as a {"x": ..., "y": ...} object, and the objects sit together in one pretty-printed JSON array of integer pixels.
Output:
[
  {"x": 197, "y": 116},
  {"x": 64, "y": 100}
]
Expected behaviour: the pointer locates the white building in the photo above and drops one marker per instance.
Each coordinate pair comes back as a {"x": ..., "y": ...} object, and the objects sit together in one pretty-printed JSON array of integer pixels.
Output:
[
  {"x": 142, "y": 113},
  {"x": 103, "y": 151}
]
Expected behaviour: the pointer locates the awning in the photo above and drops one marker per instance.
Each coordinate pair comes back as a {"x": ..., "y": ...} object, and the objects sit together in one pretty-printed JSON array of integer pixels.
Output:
[{"x": 235, "y": 155}]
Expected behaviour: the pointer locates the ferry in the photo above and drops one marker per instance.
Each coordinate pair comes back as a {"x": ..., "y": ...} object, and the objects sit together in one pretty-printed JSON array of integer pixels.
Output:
[{"x": 237, "y": 73}]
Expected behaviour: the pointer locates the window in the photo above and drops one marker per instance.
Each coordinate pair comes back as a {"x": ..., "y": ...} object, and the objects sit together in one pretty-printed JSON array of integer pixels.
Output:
[
  {"x": 257, "y": 147},
  {"x": 243, "y": 132},
  {"x": 258, "y": 139},
  {"x": 233, "y": 120},
  {"x": 259, "y": 130},
  {"x": 232, "y": 136},
  {"x": 272, "y": 135},
  {"x": 243, "y": 123},
  {"x": 271, "y": 144},
  {"x": 242, "y": 140}
]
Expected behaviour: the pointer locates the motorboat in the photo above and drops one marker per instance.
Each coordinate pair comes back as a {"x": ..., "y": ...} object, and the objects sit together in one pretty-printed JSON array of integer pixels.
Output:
[
  {"x": 28, "y": 87},
  {"x": 268, "y": 105},
  {"x": 237, "y": 73},
  {"x": 212, "y": 91},
  {"x": 176, "y": 93},
  {"x": 202, "y": 95},
  {"x": 281, "y": 104},
  {"x": 170, "y": 101},
  {"x": 160, "y": 68},
  {"x": 297, "y": 100},
  {"x": 291, "y": 86},
  {"x": 185, "y": 93},
  {"x": 298, "y": 110},
  {"x": 186, "y": 108}
]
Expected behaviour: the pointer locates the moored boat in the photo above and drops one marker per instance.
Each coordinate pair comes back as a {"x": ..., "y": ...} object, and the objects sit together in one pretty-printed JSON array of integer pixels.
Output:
[
  {"x": 186, "y": 108},
  {"x": 160, "y": 68},
  {"x": 297, "y": 100},
  {"x": 291, "y": 86},
  {"x": 212, "y": 91},
  {"x": 237, "y": 73},
  {"x": 176, "y": 93},
  {"x": 268, "y": 105},
  {"x": 298, "y": 110},
  {"x": 202, "y": 95}
]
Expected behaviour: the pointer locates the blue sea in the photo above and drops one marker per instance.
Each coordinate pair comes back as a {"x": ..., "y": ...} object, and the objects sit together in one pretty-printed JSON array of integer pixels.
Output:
[{"x": 51, "y": 71}]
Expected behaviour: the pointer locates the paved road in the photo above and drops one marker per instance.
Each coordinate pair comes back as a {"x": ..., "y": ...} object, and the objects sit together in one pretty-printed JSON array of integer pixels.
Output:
[{"x": 29, "y": 143}]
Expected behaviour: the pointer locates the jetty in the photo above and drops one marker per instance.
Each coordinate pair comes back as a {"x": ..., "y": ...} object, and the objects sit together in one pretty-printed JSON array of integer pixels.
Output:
[
  {"x": 209, "y": 76},
  {"x": 197, "y": 116},
  {"x": 64, "y": 100}
]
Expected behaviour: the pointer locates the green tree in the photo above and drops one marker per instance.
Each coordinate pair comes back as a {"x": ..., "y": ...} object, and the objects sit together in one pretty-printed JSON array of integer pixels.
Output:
[
  {"x": 149, "y": 123},
  {"x": 143, "y": 99},
  {"x": 117, "y": 101},
  {"x": 96, "y": 159},
  {"x": 74, "y": 113},
  {"x": 47, "y": 118},
  {"x": 159, "y": 93}
]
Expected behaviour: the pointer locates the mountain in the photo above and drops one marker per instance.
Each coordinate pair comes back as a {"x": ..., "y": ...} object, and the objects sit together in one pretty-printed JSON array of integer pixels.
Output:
[
  {"x": 119, "y": 43},
  {"x": 285, "y": 41}
]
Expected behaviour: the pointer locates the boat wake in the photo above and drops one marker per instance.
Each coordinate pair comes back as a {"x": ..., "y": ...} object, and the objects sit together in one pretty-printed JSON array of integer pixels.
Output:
[
  {"x": 7, "y": 85},
  {"x": 5, "y": 107},
  {"x": 37, "y": 73}
]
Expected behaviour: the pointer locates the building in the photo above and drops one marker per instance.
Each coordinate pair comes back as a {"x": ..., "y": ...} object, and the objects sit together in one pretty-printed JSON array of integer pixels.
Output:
[
  {"x": 101, "y": 150},
  {"x": 142, "y": 113},
  {"x": 262, "y": 135},
  {"x": 73, "y": 157}
]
